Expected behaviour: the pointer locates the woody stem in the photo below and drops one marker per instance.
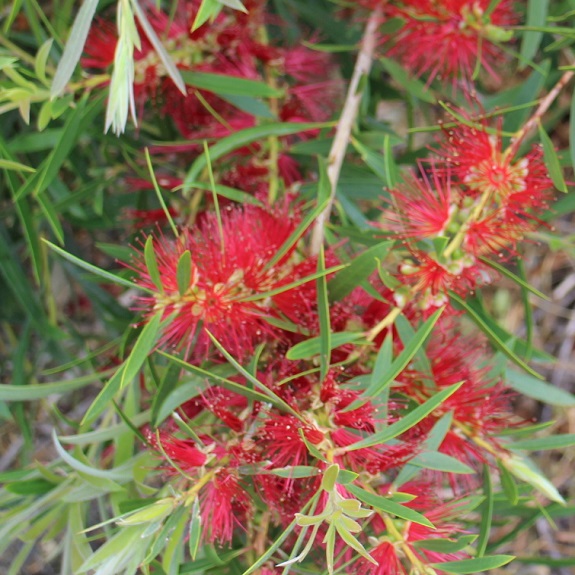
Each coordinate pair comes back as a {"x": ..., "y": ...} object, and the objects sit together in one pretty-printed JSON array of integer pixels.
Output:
[
  {"x": 541, "y": 109},
  {"x": 345, "y": 124}
]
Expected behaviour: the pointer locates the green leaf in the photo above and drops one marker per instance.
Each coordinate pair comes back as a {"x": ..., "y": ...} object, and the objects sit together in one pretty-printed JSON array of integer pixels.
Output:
[
  {"x": 208, "y": 10},
  {"x": 572, "y": 131},
  {"x": 360, "y": 268},
  {"x": 391, "y": 170},
  {"x": 74, "y": 47},
  {"x": 536, "y": 16},
  {"x": 123, "y": 473},
  {"x": 41, "y": 60},
  {"x": 234, "y": 5},
  {"x": 552, "y": 161},
  {"x": 31, "y": 487},
  {"x": 222, "y": 381},
  {"x": 312, "y": 347},
  {"x": 33, "y": 391},
  {"x": 539, "y": 390},
  {"x": 523, "y": 468},
  {"x": 388, "y": 506},
  {"x": 143, "y": 346},
  {"x": 229, "y": 193},
  {"x": 93, "y": 269},
  {"x": 411, "y": 85},
  {"x": 195, "y": 530},
  {"x": 50, "y": 167},
  {"x": 471, "y": 566},
  {"x": 230, "y": 85},
  {"x": 400, "y": 362},
  {"x": 508, "y": 484},
  {"x": 166, "y": 59},
  {"x": 407, "y": 421},
  {"x": 11, "y": 165},
  {"x": 291, "y": 285},
  {"x": 541, "y": 443},
  {"x": 243, "y": 138},
  {"x": 440, "y": 462},
  {"x": 518, "y": 280},
  {"x": 184, "y": 272},
  {"x": 324, "y": 320},
  {"x": 329, "y": 477},
  {"x": 486, "y": 513},
  {"x": 271, "y": 395},
  {"x": 152, "y": 263},
  {"x": 157, "y": 510},
  {"x": 492, "y": 336},
  {"x": 294, "y": 471},
  {"x": 445, "y": 545}
]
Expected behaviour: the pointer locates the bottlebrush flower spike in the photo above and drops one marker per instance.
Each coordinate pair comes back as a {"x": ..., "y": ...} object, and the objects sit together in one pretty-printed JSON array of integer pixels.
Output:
[
  {"x": 224, "y": 267},
  {"x": 224, "y": 506},
  {"x": 182, "y": 452},
  {"x": 476, "y": 158},
  {"x": 422, "y": 207},
  {"x": 448, "y": 39}
]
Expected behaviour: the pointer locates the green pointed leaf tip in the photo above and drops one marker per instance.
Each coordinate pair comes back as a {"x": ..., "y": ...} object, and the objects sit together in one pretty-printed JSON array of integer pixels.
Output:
[
  {"x": 471, "y": 566},
  {"x": 329, "y": 478},
  {"x": 552, "y": 161}
]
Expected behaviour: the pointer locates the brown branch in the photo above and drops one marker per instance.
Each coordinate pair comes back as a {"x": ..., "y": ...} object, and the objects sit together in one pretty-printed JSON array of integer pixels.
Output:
[
  {"x": 541, "y": 109},
  {"x": 346, "y": 121}
]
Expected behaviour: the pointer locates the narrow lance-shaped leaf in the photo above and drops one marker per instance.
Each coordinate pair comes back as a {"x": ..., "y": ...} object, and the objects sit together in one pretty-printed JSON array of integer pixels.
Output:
[
  {"x": 486, "y": 513},
  {"x": 232, "y": 85},
  {"x": 388, "y": 506},
  {"x": 472, "y": 566},
  {"x": 273, "y": 397},
  {"x": 166, "y": 59},
  {"x": 408, "y": 421},
  {"x": 184, "y": 272},
  {"x": 74, "y": 47},
  {"x": 324, "y": 320},
  {"x": 152, "y": 264},
  {"x": 93, "y": 269},
  {"x": 243, "y": 138},
  {"x": 400, "y": 362},
  {"x": 552, "y": 161},
  {"x": 360, "y": 268},
  {"x": 493, "y": 337},
  {"x": 536, "y": 16}
]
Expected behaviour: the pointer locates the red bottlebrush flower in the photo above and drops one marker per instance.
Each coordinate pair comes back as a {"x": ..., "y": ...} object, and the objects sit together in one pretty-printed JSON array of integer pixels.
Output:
[
  {"x": 422, "y": 206},
  {"x": 223, "y": 506},
  {"x": 311, "y": 102},
  {"x": 228, "y": 266},
  {"x": 338, "y": 399},
  {"x": 183, "y": 452},
  {"x": 281, "y": 440},
  {"x": 478, "y": 161},
  {"x": 305, "y": 65},
  {"x": 388, "y": 562},
  {"x": 100, "y": 45},
  {"x": 447, "y": 39},
  {"x": 220, "y": 401},
  {"x": 371, "y": 459},
  {"x": 435, "y": 279},
  {"x": 481, "y": 406}
]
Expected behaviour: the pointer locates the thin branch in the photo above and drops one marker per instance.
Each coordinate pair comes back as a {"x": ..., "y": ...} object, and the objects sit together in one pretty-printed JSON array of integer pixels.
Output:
[
  {"x": 346, "y": 121},
  {"x": 543, "y": 106}
]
